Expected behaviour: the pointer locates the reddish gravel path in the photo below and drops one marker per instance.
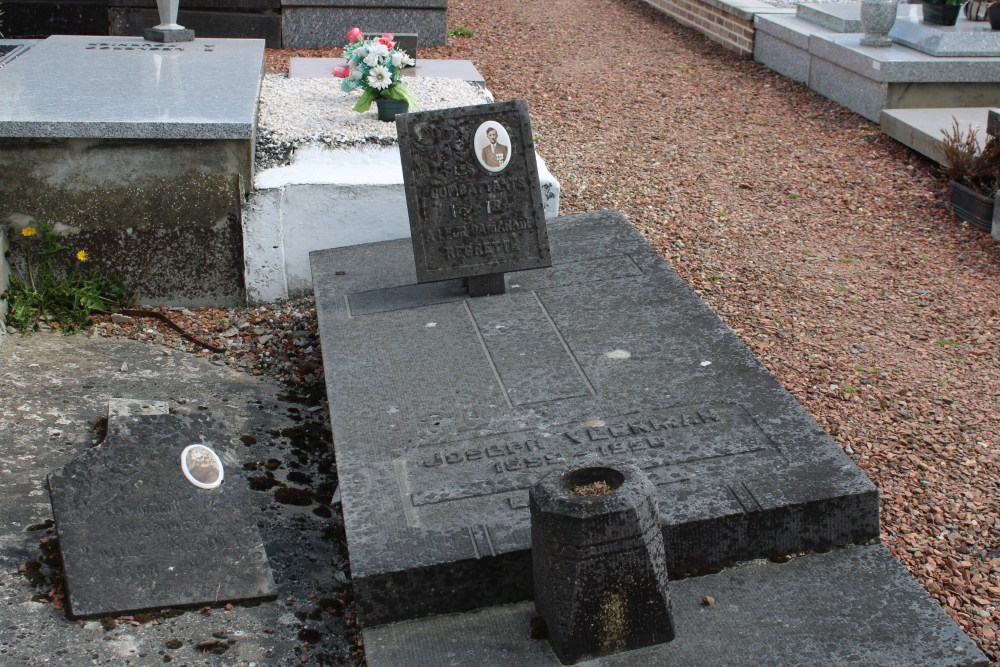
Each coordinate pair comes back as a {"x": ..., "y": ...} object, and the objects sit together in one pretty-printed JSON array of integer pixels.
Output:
[{"x": 820, "y": 241}]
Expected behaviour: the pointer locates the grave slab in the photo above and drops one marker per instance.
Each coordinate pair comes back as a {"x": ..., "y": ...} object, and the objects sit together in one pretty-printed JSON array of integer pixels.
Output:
[
  {"x": 136, "y": 534},
  {"x": 922, "y": 129},
  {"x": 855, "y": 606},
  {"x": 126, "y": 88},
  {"x": 446, "y": 409}
]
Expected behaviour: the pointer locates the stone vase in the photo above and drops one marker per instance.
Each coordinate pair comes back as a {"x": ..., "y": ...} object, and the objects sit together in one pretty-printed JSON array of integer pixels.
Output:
[
  {"x": 877, "y": 17},
  {"x": 168, "y": 14}
]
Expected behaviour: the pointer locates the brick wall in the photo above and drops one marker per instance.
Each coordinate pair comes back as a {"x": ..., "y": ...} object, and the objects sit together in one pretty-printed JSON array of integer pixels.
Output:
[{"x": 731, "y": 30}]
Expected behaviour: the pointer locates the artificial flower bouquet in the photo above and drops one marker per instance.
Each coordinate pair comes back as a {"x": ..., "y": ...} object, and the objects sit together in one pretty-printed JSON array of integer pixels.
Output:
[{"x": 374, "y": 65}]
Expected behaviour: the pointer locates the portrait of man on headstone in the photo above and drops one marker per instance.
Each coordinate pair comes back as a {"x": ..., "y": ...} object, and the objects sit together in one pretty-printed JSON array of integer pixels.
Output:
[
  {"x": 202, "y": 466},
  {"x": 493, "y": 146}
]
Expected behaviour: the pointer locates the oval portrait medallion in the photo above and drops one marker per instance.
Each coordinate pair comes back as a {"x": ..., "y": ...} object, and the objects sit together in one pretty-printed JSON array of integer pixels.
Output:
[
  {"x": 202, "y": 466},
  {"x": 492, "y": 146}
]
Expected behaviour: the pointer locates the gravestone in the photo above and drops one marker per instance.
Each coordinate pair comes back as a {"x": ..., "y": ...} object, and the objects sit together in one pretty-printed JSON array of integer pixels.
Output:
[
  {"x": 472, "y": 194},
  {"x": 405, "y": 41},
  {"x": 446, "y": 409},
  {"x": 154, "y": 518},
  {"x": 144, "y": 149}
]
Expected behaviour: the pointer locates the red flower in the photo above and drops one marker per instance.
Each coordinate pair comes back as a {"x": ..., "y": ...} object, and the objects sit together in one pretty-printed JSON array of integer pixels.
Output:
[
  {"x": 342, "y": 72},
  {"x": 386, "y": 39},
  {"x": 354, "y": 34}
]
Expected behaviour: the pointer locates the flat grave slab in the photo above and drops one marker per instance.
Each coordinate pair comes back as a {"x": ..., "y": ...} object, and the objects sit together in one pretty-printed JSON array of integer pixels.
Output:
[
  {"x": 850, "y": 607},
  {"x": 137, "y": 533},
  {"x": 126, "y": 88},
  {"x": 445, "y": 409}
]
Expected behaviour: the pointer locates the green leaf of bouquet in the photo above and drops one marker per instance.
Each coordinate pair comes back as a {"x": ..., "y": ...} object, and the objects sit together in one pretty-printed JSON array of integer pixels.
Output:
[{"x": 365, "y": 101}]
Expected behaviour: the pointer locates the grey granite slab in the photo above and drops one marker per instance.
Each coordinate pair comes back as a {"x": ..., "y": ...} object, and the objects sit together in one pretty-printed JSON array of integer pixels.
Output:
[
  {"x": 846, "y": 608},
  {"x": 921, "y": 129},
  {"x": 445, "y": 410},
  {"x": 321, "y": 68},
  {"x": 789, "y": 28},
  {"x": 127, "y": 88},
  {"x": 966, "y": 38},
  {"x": 835, "y": 16},
  {"x": 135, "y": 534},
  {"x": 901, "y": 64}
]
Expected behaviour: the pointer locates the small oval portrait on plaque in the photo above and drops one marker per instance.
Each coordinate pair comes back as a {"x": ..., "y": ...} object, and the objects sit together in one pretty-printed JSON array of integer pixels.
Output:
[
  {"x": 492, "y": 146},
  {"x": 202, "y": 466}
]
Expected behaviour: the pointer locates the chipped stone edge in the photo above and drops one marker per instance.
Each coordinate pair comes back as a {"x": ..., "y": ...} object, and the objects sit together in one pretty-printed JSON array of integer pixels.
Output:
[{"x": 4, "y": 276}]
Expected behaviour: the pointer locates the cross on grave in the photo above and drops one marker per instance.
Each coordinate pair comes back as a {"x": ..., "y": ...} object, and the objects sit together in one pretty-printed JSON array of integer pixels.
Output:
[{"x": 472, "y": 194}]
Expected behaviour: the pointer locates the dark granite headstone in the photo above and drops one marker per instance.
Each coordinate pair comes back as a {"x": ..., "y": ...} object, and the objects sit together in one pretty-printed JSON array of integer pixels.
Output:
[
  {"x": 446, "y": 409},
  {"x": 993, "y": 123},
  {"x": 406, "y": 42},
  {"x": 472, "y": 191},
  {"x": 136, "y": 534}
]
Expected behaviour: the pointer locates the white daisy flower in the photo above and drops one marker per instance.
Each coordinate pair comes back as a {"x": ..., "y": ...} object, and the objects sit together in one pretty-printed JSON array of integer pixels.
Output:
[
  {"x": 379, "y": 78},
  {"x": 397, "y": 58}
]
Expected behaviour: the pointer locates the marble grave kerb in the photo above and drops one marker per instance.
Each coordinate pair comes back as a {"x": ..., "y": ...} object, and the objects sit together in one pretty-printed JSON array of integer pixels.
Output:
[
  {"x": 446, "y": 409},
  {"x": 136, "y": 534},
  {"x": 472, "y": 194}
]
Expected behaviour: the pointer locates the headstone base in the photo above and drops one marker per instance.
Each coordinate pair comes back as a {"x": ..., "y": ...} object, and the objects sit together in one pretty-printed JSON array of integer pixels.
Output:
[{"x": 168, "y": 36}]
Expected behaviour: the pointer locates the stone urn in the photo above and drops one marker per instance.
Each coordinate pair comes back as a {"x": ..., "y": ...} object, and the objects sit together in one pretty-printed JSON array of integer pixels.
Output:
[
  {"x": 168, "y": 30},
  {"x": 877, "y": 17}
]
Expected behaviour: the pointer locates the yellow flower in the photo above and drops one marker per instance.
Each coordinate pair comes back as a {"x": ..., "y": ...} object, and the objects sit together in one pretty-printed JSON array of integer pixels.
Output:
[
  {"x": 28, "y": 231},
  {"x": 81, "y": 255}
]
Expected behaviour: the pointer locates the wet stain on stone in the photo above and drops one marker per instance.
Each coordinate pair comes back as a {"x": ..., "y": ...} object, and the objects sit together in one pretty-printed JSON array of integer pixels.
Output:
[{"x": 289, "y": 495}]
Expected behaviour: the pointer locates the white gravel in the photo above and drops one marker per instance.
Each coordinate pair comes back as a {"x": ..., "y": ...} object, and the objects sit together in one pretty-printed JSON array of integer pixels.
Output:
[{"x": 304, "y": 110}]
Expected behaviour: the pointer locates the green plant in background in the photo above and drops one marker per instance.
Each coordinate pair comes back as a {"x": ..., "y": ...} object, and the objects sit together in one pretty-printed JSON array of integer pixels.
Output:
[
  {"x": 459, "y": 32},
  {"x": 43, "y": 290}
]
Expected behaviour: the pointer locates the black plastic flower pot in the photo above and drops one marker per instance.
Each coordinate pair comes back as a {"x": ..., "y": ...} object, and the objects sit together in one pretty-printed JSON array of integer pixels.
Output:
[
  {"x": 972, "y": 207},
  {"x": 993, "y": 14},
  {"x": 388, "y": 108},
  {"x": 939, "y": 14}
]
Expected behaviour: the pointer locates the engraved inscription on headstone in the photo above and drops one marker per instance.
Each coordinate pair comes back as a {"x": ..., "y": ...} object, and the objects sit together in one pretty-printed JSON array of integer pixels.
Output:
[
  {"x": 664, "y": 443},
  {"x": 472, "y": 191},
  {"x": 147, "y": 520}
]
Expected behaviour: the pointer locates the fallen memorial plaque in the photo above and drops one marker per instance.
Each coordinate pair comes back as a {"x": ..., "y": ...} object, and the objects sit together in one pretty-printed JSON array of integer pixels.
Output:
[
  {"x": 446, "y": 409},
  {"x": 153, "y": 518}
]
